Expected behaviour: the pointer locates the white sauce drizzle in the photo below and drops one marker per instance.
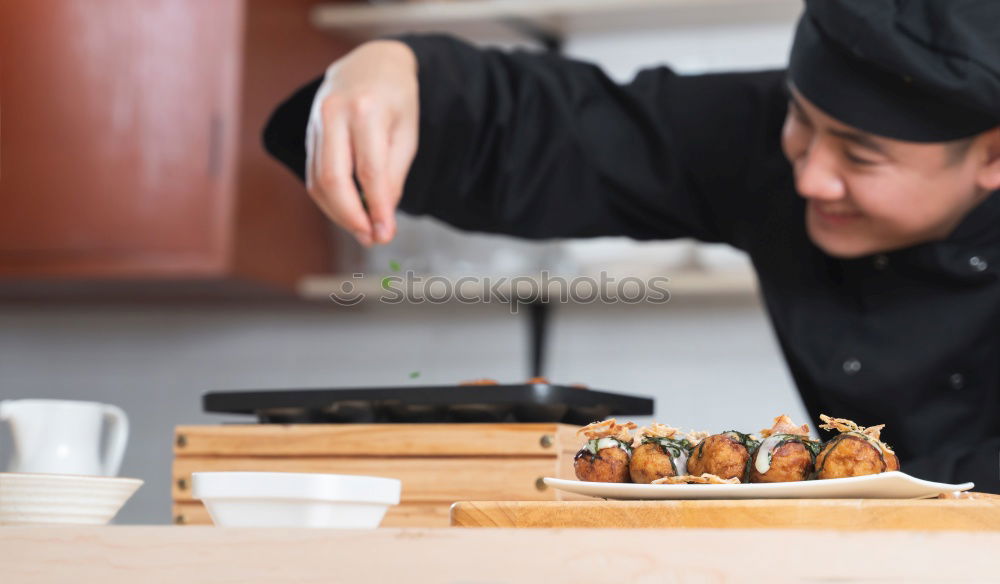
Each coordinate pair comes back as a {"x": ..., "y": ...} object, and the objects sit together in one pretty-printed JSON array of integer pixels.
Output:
[
  {"x": 593, "y": 446},
  {"x": 681, "y": 463},
  {"x": 763, "y": 460},
  {"x": 608, "y": 442}
]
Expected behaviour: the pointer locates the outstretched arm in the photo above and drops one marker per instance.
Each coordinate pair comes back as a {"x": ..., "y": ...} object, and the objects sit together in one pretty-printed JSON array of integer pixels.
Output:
[{"x": 532, "y": 145}]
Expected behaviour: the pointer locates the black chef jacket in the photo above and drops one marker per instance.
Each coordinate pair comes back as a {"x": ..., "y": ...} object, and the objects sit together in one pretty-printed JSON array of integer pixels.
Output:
[{"x": 540, "y": 146}]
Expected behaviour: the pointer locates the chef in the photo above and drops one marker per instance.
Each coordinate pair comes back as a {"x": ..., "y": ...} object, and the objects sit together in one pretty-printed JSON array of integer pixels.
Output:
[{"x": 862, "y": 181}]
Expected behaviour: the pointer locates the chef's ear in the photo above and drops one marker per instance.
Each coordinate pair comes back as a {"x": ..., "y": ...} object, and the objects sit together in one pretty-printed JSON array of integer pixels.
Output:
[{"x": 989, "y": 174}]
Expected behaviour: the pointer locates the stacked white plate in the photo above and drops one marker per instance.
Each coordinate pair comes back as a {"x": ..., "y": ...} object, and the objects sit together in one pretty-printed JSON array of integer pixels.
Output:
[{"x": 47, "y": 499}]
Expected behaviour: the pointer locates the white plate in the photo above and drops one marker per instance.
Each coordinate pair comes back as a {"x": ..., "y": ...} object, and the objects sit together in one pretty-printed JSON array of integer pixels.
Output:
[
  {"x": 888, "y": 485},
  {"x": 51, "y": 499}
]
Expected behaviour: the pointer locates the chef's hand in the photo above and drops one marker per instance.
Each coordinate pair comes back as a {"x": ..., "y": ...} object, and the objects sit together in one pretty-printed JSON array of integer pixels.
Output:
[{"x": 363, "y": 124}]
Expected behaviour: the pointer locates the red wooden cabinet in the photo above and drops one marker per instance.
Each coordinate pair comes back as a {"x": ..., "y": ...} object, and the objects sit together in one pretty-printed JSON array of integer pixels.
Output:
[{"x": 130, "y": 141}]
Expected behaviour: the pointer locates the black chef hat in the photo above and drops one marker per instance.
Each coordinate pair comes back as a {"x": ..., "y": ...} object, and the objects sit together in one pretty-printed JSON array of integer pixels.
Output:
[{"x": 915, "y": 70}]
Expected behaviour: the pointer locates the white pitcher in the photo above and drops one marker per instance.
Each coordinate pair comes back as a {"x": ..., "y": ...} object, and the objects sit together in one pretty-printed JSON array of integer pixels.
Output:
[{"x": 59, "y": 436}]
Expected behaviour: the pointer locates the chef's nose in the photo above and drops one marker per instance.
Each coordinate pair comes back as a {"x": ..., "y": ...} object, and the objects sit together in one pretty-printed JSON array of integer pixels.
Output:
[{"x": 816, "y": 174}]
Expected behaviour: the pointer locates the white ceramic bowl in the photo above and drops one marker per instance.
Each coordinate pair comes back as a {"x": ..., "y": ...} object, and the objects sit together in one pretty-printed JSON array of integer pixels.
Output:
[
  {"x": 53, "y": 499},
  {"x": 280, "y": 499}
]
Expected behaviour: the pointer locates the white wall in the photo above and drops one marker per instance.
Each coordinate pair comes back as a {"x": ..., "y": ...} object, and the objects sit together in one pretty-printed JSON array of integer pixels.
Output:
[{"x": 722, "y": 47}]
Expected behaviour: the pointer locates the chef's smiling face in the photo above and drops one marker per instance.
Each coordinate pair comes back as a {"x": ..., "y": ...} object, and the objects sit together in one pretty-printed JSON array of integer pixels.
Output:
[{"x": 867, "y": 194}]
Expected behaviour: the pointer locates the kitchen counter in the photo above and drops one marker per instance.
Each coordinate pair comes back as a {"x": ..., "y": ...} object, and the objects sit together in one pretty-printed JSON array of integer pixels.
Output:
[{"x": 206, "y": 555}]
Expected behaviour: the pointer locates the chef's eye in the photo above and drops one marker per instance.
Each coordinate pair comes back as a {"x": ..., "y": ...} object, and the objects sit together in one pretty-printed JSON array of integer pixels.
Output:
[{"x": 858, "y": 160}]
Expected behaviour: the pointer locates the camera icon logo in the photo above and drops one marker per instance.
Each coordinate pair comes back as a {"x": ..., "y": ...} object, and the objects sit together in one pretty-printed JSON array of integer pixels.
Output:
[{"x": 348, "y": 295}]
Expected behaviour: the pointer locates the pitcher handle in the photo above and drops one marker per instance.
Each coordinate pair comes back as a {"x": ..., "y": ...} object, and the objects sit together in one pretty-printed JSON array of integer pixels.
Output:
[{"x": 118, "y": 438}]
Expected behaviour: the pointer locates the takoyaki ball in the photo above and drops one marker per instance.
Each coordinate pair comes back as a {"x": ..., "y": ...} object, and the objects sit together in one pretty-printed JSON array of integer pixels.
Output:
[
  {"x": 608, "y": 465},
  {"x": 605, "y": 456},
  {"x": 850, "y": 455},
  {"x": 856, "y": 452},
  {"x": 650, "y": 462},
  {"x": 724, "y": 455},
  {"x": 786, "y": 453},
  {"x": 662, "y": 452},
  {"x": 790, "y": 462}
]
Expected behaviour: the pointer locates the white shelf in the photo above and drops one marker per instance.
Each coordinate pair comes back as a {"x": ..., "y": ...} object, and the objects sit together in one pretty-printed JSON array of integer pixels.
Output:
[
  {"x": 684, "y": 283},
  {"x": 480, "y": 17}
]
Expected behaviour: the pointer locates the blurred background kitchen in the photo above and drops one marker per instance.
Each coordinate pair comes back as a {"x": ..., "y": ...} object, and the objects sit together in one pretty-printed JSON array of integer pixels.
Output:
[{"x": 151, "y": 251}]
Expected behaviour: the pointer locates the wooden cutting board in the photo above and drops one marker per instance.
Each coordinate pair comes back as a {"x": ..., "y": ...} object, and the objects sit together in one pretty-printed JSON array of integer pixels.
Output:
[{"x": 968, "y": 514}]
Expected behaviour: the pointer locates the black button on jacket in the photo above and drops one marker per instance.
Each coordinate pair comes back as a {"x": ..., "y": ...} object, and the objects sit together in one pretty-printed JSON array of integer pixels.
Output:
[{"x": 540, "y": 146}]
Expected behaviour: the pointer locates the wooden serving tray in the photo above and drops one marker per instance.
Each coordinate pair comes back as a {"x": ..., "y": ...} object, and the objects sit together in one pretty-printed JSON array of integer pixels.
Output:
[{"x": 976, "y": 513}]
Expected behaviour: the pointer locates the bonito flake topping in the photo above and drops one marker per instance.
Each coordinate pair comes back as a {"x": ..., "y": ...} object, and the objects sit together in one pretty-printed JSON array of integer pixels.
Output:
[
  {"x": 702, "y": 479},
  {"x": 655, "y": 430},
  {"x": 784, "y": 425},
  {"x": 609, "y": 428},
  {"x": 844, "y": 426}
]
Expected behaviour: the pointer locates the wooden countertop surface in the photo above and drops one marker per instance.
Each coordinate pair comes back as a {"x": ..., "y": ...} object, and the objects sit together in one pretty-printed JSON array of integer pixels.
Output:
[{"x": 209, "y": 555}]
